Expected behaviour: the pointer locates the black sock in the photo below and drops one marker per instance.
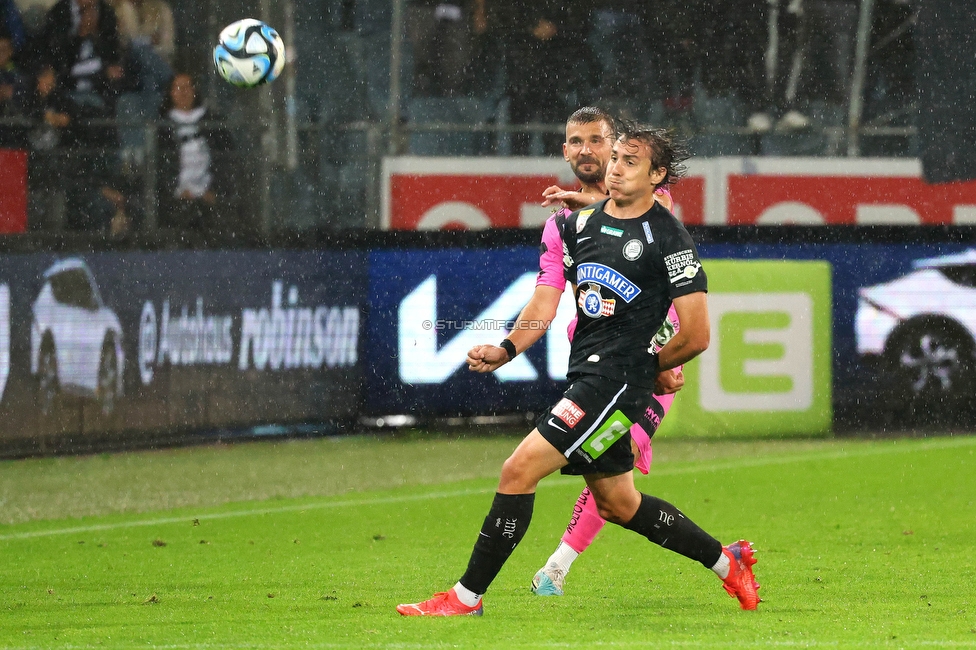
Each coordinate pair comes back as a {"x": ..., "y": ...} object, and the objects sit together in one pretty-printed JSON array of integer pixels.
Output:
[
  {"x": 666, "y": 526},
  {"x": 503, "y": 529}
]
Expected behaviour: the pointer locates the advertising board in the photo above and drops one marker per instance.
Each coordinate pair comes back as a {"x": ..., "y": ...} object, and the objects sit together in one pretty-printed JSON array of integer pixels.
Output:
[
  {"x": 143, "y": 342},
  {"x": 481, "y": 193},
  {"x": 902, "y": 329},
  {"x": 13, "y": 191},
  {"x": 428, "y": 308},
  {"x": 769, "y": 369}
]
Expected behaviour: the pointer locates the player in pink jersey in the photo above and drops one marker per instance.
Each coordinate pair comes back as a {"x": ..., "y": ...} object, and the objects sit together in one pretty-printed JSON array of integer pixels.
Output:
[{"x": 589, "y": 137}]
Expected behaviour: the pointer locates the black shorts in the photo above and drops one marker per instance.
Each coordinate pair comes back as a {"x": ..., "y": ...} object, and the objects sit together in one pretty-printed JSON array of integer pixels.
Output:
[{"x": 590, "y": 425}]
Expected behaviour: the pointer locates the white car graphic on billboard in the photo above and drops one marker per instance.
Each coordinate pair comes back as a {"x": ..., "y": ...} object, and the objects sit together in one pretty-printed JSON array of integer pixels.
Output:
[
  {"x": 922, "y": 328},
  {"x": 76, "y": 341}
]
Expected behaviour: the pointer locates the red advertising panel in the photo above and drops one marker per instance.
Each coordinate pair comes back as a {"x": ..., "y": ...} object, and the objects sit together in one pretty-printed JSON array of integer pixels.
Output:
[
  {"x": 13, "y": 191},
  {"x": 480, "y": 193},
  {"x": 466, "y": 202},
  {"x": 815, "y": 200},
  {"x": 689, "y": 200}
]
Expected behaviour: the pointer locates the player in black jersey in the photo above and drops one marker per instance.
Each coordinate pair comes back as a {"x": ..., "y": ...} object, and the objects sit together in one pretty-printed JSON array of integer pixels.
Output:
[{"x": 629, "y": 259}]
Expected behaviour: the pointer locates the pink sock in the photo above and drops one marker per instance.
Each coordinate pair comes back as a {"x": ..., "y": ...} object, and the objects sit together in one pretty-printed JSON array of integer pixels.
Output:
[{"x": 585, "y": 523}]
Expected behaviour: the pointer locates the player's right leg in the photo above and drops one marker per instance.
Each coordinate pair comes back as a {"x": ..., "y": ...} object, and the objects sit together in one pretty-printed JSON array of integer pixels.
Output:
[{"x": 506, "y": 524}]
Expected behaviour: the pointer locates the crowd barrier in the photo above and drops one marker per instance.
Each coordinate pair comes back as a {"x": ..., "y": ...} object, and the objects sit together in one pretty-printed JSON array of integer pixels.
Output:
[{"x": 815, "y": 330}]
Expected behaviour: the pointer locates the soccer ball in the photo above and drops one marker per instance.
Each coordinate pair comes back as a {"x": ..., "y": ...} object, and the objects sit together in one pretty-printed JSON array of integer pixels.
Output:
[{"x": 249, "y": 53}]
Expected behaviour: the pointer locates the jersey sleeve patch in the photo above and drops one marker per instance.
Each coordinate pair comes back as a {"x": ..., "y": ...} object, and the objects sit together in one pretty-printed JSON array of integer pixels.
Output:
[{"x": 682, "y": 267}]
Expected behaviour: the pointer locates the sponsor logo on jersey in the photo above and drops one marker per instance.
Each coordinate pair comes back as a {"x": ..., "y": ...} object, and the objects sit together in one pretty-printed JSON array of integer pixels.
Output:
[
  {"x": 682, "y": 265},
  {"x": 633, "y": 249},
  {"x": 689, "y": 272},
  {"x": 607, "y": 277},
  {"x": 581, "y": 220},
  {"x": 616, "y": 426},
  {"x": 568, "y": 411},
  {"x": 567, "y": 258},
  {"x": 613, "y": 232},
  {"x": 647, "y": 233}
]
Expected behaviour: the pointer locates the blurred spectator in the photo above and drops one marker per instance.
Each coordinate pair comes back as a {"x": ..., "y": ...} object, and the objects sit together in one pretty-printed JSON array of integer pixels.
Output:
[
  {"x": 779, "y": 55},
  {"x": 147, "y": 22},
  {"x": 830, "y": 55},
  {"x": 80, "y": 45},
  {"x": 539, "y": 42},
  {"x": 440, "y": 35},
  {"x": 773, "y": 96},
  {"x": 12, "y": 25},
  {"x": 81, "y": 35},
  {"x": 49, "y": 107},
  {"x": 146, "y": 33},
  {"x": 33, "y": 12},
  {"x": 617, "y": 38},
  {"x": 12, "y": 82},
  {"x": 64, "y": 157},
  {"x": 12, "y": 96},
  {"x": 191, "y": 194},
  {"x": 675, "y": 38},
  {"x": 890, "y": 87}
]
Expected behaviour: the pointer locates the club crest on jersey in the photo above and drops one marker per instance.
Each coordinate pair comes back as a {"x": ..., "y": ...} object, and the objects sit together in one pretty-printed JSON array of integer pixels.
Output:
[
  {"x": 606, "y": 277},
  {"x": 633, "y": 250},
  {"x": 595, "y": 305},
  {"x": 581, "y": 220}
]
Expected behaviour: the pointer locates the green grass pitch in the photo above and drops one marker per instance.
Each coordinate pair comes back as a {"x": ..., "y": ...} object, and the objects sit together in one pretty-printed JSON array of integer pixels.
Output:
[{"x": 311, "y": 544}]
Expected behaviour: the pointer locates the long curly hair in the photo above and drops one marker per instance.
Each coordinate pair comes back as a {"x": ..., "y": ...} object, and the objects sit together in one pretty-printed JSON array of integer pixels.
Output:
[{"x": 666, "y": 149}]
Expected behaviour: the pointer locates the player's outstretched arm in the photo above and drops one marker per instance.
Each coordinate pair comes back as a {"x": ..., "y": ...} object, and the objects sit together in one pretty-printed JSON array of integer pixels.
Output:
[
  {"x": 532, "y": 323},
  {"x": 571, "y": 199}
]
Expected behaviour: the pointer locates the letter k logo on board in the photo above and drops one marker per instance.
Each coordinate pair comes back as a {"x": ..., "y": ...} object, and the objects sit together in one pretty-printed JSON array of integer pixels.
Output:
[{"x": 420, "y": 360}]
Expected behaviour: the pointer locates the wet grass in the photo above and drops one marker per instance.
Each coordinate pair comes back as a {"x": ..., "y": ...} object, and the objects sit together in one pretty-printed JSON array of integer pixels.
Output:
[{"x": 312, "y": 543}]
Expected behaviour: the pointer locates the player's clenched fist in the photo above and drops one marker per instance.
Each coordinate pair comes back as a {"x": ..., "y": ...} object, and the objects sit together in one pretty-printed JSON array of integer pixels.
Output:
[{"x": 486, "y": 358}]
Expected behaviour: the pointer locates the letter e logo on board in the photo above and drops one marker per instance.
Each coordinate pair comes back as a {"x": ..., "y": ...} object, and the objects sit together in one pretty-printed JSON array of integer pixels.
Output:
[{"x": 761, "y": 358}]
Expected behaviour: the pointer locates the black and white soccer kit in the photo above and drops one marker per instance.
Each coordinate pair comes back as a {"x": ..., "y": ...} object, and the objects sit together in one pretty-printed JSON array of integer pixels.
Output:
[{"x": 626, "y": 273}]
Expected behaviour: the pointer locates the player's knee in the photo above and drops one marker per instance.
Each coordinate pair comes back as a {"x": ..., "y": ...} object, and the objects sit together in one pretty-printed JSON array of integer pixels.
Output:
[
  {"x": 613, "y": 512},
  {"x": 514, "y": 478}
]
